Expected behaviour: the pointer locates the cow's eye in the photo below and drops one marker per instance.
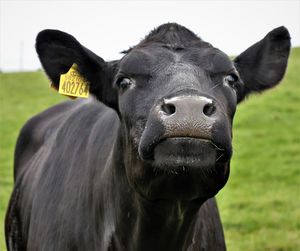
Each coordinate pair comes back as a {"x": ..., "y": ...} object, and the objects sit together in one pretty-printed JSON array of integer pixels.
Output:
[
  {"x": 123, "y": 83},
  {"x": 231, "y": 80}
]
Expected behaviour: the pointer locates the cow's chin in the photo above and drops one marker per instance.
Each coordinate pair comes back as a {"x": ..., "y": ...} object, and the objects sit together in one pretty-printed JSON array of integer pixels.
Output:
[
  {"x": 184, "y": 168},
  {"x": 184, "y": 154}
]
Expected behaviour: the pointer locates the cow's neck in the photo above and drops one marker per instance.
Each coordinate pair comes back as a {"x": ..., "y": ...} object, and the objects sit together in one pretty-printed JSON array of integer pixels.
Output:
[
  {"x": 140, "y": 224},
  {"x": 162, "y": 225}
]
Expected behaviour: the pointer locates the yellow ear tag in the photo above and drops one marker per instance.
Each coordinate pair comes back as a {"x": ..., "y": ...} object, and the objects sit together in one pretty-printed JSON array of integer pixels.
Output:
[{"x": 72, "y": 84}]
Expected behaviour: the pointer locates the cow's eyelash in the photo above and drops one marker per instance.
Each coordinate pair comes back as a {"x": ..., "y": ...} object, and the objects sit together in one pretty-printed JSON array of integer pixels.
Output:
[{"x": 132, "y": 76}]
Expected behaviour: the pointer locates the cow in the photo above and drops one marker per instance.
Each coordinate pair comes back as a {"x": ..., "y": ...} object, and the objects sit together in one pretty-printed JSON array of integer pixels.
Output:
[{"x": 135, "y": 166}]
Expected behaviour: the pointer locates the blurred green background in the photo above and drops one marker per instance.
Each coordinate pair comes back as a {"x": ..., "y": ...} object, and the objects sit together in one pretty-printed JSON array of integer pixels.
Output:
[{"x": 260, "y": 205}]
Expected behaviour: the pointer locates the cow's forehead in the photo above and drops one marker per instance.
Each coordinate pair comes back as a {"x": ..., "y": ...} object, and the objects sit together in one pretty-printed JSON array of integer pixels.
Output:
[{"x": 148, "y": 59}]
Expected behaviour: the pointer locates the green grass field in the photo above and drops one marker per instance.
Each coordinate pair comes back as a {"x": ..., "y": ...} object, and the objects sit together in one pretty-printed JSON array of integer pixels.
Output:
[{"x": 260, "y": 205}]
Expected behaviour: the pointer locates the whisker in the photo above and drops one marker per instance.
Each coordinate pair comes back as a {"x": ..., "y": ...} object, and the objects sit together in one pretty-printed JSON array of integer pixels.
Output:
[
  {"x": 218, "y": 148},
  {"x": 220, "y": 157}
]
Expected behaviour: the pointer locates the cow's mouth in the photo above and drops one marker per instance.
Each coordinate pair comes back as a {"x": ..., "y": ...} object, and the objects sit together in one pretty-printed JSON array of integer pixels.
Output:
[
  {"x": 181, "y": 154},
  {"x": 186, "y": 167}
]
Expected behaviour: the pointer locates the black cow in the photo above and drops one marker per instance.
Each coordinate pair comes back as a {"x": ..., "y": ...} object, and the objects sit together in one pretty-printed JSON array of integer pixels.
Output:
[{"x": 136, "y": 166}]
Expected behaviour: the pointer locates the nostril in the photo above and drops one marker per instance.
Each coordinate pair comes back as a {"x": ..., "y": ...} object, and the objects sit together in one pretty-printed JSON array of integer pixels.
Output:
[
  {"x": 209, "y": 109},
  {"x": 169, "y": 109}
]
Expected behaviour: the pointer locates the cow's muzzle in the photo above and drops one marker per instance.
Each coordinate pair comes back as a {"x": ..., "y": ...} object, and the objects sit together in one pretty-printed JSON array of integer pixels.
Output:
[
  {"x": 184, "y": 153},
  {"x": 179, "y": 132}
]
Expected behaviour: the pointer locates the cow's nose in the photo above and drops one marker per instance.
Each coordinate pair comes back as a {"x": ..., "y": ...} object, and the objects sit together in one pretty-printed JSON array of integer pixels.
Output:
[
  {"x": 183, "y": 104},
  {"x": 188, "y": 116}
]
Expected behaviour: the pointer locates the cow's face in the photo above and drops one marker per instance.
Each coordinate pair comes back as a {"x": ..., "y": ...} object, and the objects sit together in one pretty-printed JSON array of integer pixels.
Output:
[
  {"x": 176, "y": 97},
  {"x": 178, "y": 105}
]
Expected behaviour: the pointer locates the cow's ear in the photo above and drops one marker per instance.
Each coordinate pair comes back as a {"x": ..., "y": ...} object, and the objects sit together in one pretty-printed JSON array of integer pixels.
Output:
[
  {"x": 58, "y": 51},
  {"x": 263, "y": 65}
]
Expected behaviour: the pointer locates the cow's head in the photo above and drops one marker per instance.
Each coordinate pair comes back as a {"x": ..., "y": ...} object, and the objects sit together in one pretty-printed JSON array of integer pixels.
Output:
[{"x": 176, "y": 96}]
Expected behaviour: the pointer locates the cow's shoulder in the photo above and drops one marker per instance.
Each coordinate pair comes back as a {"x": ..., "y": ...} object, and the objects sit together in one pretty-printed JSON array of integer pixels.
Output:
[
  {"x": 32, "y": 134},
  {"x": 56, "y": 154},
  {"x": 42, "y": 128}
]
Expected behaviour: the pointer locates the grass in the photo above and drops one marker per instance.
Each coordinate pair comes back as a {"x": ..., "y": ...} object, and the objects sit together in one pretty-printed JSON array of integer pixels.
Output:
[{"x": 260, "y": 204}]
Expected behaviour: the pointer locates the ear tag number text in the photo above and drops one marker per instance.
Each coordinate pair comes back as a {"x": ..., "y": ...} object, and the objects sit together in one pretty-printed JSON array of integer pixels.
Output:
[{"x": 73, "y": 84}]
